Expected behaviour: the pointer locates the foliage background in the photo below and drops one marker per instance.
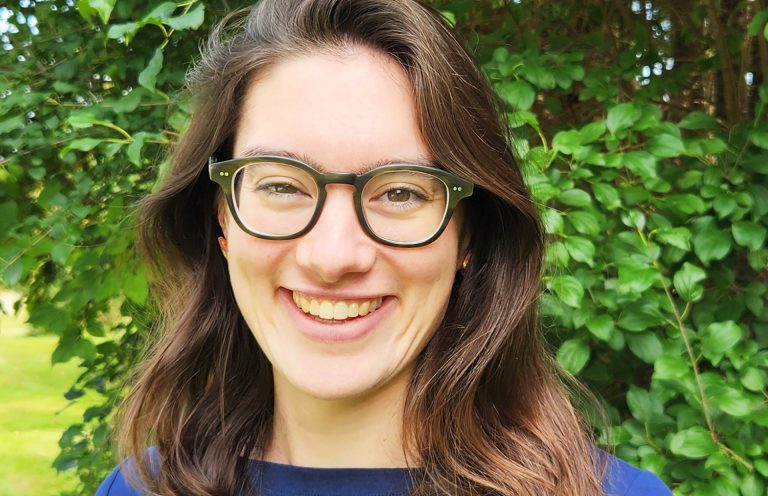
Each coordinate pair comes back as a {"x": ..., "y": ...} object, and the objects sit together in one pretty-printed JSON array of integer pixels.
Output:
[{"x": 643, "y": 133}]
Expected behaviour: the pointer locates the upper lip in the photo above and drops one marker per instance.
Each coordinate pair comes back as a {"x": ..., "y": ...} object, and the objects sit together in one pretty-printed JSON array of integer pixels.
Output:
[{"x": 336, "y": 295}]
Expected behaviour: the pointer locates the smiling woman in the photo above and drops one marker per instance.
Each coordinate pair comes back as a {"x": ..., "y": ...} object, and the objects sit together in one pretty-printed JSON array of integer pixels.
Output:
[{"x": 350, "y": 302}]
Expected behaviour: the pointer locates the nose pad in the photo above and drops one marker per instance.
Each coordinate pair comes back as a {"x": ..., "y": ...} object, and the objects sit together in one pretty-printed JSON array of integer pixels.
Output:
[{"x": 336, "y": 246}]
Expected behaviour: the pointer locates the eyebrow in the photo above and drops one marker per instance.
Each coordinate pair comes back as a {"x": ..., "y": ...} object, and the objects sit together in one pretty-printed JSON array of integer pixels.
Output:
[{"x": 261, "y": 150}]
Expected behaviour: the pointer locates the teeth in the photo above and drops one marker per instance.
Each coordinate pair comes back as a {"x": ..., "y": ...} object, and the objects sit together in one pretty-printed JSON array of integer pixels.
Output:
[{"x": 335, "y": 310}]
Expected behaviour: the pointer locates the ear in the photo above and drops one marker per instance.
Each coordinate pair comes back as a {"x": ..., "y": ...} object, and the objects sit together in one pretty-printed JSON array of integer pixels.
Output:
[
  {"x": 465, "y": 236},
  {"x": 222, "y": 214}
]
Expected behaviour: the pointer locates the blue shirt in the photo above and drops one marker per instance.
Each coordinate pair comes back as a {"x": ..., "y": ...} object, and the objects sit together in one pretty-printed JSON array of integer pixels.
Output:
[{"x": 286, "y": 480}]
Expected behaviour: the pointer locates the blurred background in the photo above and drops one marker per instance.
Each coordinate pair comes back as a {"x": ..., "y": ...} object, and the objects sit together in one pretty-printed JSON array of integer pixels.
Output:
[{"x": 641, "y": 128}]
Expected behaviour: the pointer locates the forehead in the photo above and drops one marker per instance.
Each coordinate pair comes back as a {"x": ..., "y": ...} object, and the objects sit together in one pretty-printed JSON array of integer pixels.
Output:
[{"x": 341, "y": 112}]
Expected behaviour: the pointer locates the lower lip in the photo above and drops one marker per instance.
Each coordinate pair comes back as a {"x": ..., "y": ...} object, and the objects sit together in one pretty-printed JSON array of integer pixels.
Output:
[{"x": 334, "y": 330}]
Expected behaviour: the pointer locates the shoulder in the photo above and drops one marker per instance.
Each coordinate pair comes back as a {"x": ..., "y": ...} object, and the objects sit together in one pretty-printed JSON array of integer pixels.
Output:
[
  {"x": 623, "y": 479},
  {"x": 116, "y": 484}
]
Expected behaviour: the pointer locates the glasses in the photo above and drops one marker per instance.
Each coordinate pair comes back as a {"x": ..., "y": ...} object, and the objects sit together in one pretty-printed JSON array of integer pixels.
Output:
[{"x": 274, "y": 197}]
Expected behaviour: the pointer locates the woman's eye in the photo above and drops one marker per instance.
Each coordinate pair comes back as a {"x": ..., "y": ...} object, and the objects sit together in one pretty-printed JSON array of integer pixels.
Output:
[
  {"x": 285, "y": 189},
  {"x": 399, "y": 195}
]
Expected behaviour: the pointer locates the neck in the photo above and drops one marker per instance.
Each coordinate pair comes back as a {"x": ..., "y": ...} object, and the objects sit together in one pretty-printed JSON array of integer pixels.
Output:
[{"x": 359, "y": 432}]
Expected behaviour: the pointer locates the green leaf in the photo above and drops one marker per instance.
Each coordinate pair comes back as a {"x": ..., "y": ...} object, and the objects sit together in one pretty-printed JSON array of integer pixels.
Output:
[
  {"x": 148, "y": 76},
  {"x": 601, "y": 326},
  {"x": 567, "y": 141},
  {"x": 757, "y": 23},
  {"x": 666, "y": 146},
  {"x": 160, "y": 12},
  {"x": 191, "y": 20},
  {"x": 622, "y": 116},
  {"x": 9, "y": 213},
  {"x": 591, "y": 132},
  {"x": 759, "y": 138},
  {"x": 574, "y": 198},
  {"x": 711, "y": 244},
  {"x": 89, "y": 8},
  {"x": 573, "y": 355},
  {"x": 82, "y": 144},
  {"x": 694, "y": 442},
  {"x": 539, "y": 76},
  {"x": 584, "y": 222},
  {"x": 636, "y": 277},
  {"x": 641, "y": 404},
  {"x": 134, "y": 149},
  {"x": 639, "y": 319},
  {"x": 679, "y": 237},
  {"x": 60, "y": 252},
  {"x": 687, "y": 203},
  {"x": 720, "y": 337},
  {"x": 754, "y": 379},
  {"x": 581, "y": 249},
  {"x": 568, "y": 289},
  {"x": 607, "y": 195},
  {"x": 732, "y": 401},
  {"x": 646, "y": 345},
  {"x": 81, "y": 119},
  {"x": 686, "y": 282},
  {"x": 127, "y": 30},
  {"x": 519, "y": 94},
  {"x": 641, "y": 163},
  {"x": 136, "y": 288},
  {"x": 698, "y": 120},
  {"x": 557, "y": 254},
  {"x": 12, "y": 123},
  {"x": 724, "y": 203},
  {"x": 749, "y": 234}
]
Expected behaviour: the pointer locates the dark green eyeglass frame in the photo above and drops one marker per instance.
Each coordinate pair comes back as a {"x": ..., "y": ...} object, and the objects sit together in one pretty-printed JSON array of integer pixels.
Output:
[{"x": 223, "y": 174}]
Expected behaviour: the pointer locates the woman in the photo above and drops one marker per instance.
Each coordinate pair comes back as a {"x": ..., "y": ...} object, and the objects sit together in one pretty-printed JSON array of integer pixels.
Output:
[{"x": 350, "y": 301}]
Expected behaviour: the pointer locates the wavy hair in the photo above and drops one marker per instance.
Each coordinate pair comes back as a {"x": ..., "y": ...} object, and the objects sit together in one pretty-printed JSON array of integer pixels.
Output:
[{"x": 486, "y": 412}]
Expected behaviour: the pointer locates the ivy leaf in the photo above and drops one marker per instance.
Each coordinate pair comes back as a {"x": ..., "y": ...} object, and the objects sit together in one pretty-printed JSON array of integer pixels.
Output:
[
  {"x": 666, "y": 146},
  {"x": 148, "y": 76},
  {"x": 622, "y": 116},
  {"x": 191, "y": 20},
  {"x": 568, "y": 289},
  {"x": 749, "y": 234},
  {"x": 573, "y": 355},
  {"x": 694, "y": 442},
  {"x": 686, "y": 282}
]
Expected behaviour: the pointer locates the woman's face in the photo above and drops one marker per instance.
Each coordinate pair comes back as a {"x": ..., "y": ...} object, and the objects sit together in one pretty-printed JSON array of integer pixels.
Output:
[{"x": 342, "y": 113}]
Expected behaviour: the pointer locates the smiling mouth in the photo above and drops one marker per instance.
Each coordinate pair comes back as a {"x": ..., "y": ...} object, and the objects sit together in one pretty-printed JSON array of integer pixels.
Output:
[{"x": 335, "y": 309}]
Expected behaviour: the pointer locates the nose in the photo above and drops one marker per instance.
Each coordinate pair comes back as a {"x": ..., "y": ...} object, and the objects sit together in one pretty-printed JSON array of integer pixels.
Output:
[{"x": 336, "y": 246}]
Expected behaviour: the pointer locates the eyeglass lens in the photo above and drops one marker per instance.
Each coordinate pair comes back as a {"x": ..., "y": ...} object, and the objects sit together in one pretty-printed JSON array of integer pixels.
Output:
[{"x": 280, "y": 200}]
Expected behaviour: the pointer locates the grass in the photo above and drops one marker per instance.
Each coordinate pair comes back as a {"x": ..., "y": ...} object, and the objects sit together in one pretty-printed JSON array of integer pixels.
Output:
[{"x": 33, "y": 411}]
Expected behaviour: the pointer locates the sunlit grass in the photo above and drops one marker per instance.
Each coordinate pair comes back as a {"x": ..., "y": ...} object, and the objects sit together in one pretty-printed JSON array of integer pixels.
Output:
[{"x": 33, "y": 412}]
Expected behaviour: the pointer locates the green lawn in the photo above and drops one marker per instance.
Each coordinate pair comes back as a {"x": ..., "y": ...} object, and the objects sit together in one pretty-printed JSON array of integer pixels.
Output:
[{"x": 33, "y": 413}]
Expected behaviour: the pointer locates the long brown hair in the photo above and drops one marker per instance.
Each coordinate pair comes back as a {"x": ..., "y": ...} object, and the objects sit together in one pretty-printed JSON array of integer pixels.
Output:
[{"x": 485, "y": 412}]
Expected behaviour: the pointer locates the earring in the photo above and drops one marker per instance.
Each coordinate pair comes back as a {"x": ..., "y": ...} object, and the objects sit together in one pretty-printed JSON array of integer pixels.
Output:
[
  {"x": 465, "y": 262},
  {"x": 223, "y": 245}
]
